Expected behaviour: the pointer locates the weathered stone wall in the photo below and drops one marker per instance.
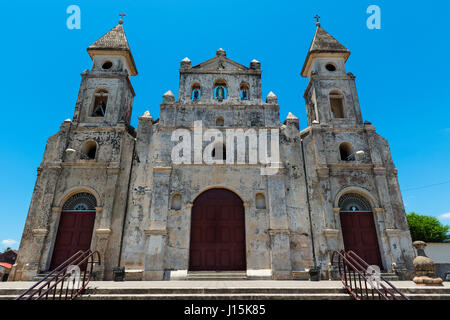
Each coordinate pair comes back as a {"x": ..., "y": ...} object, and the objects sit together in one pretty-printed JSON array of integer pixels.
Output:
[{"x": 134, "y": 179}]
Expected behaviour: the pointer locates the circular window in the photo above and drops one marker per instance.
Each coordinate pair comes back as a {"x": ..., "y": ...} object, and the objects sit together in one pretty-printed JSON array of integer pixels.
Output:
[
  {"x": 330, "y": 67},
  {"x": 107, "y": 65}
]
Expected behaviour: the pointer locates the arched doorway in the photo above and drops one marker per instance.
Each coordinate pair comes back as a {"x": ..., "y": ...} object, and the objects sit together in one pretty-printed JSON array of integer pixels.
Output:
[
  {"x": 217, "y": 232},
  {"x": 358, "y": 228},
  {"x": 76, "y": 225}
]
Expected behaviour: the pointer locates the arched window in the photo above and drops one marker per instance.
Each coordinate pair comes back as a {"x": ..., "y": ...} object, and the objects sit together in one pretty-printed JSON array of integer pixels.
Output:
[
  {"x": 89, "y": 149},
  {"x": 219, "y": 152},
  {"x": 353, "y": 202},
  {"x": 220, "y": 122},
  {"x": 346, "y": 151},
  {"x": 176, "y": 202},
  {"x": 196, "y": 91},
  {"x": 245, "y": 91},
  {"x": 336, "y": 104},
  {"x": 260, "y": 201},
  {"x": 82, "y": 201},
  {"x": 220, "y": 90},
  {"x": 100, "y": 102}
]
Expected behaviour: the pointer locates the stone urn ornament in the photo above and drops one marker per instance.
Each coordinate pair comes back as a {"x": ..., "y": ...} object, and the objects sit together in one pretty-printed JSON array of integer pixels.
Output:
[{"x": 425, "y": 273}]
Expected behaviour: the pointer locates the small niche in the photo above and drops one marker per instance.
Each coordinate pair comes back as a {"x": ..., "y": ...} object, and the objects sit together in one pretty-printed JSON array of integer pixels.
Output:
[
  {"x": 260, "y": 201},
  {"x": 176, "y": 202}
]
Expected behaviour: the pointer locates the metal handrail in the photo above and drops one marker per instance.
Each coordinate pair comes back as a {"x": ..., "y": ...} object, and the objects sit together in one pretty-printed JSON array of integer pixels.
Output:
[
  {"x": 61, "y": 266},
  {"x": 351, "y": 254},
  {"x": 55, "y": 282},
  {"x": 353, "y": 275}
]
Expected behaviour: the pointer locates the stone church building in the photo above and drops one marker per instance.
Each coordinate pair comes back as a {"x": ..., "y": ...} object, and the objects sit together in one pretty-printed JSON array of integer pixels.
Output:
[{"x": 104, "y": 185}]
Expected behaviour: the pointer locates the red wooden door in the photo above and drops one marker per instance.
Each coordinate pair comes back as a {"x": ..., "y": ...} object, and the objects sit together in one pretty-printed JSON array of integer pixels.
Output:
[
  {"x": 360, "y": 236},
  {"x": 217, "y": 232},
  {"x": 74, "y": 234}
]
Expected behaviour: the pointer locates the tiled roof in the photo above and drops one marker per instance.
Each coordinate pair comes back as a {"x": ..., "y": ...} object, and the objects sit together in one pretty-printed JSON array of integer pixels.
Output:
[
  {"x": 115, "y": 39},
  {"x": 325, "y": 42},
  {"x": 6, "y": 265}
]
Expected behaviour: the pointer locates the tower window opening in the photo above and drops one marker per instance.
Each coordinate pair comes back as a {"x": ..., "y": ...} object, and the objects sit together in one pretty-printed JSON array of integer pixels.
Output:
[
  {"x": 100, "y": 101},
  {"x": 220, "y": 90},
  {"x": 245, "y": 91},
  {"x": 107, "y": 65},
  {"x": 196, "y": 92},
  {"x": 346, "y": 151},
  {"x": 89, "y": 149},
  {"x": 330, "y": 67},
  {"x": 337, "y": 105},
  {"x": 220, "y": 122}
]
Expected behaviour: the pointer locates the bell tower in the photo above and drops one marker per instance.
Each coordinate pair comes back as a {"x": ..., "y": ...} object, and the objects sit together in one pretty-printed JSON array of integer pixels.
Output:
[
  {"x": 106, "y": 94},
  {"x": 331, "y": 96}
]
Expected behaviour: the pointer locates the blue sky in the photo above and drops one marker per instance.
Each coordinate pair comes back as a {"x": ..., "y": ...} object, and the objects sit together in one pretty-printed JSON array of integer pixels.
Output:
[{"x": 402, "y": 75}]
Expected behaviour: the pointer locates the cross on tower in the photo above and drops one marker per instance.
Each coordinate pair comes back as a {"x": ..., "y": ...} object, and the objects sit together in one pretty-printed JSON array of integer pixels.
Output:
[
  {"x": 317, "y": 17},
  {"x": 121, "y": 17}
]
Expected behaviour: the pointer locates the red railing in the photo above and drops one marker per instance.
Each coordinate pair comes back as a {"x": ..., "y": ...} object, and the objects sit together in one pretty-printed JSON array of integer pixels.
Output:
[
  {"x": 353, "y": 272},
  {"x": 67, "y": 281}
]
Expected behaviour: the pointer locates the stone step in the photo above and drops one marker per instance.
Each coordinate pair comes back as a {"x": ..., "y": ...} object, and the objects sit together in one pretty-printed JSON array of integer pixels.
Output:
[
  {"x": 197, "y": 291},
  {"x": 387, "y": 276},
  {"x": 211, "y": 275},
  {"x": 40, "y": 276},
  {"x": 254, "y": 296},
  {"x": 230, "y": 290}
]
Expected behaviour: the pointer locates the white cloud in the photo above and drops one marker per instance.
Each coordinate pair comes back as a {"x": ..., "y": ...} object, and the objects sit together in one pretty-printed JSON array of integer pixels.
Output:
[
  {"x": 445, "y": 216},
  {"x": 9, "y": 243}
]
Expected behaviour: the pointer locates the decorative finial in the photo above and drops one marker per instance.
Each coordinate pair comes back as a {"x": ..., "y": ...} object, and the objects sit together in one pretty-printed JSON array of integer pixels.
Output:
[
  {"x": 221, "y": 52},
  {"x": 121, "y": 18},
  {"x": 317, "y": 17}
]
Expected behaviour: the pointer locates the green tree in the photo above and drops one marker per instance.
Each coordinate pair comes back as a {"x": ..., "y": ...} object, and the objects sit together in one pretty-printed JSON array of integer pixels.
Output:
[
  {"x": 427, "y": 228},
  {"x": 7, "y": 249}
]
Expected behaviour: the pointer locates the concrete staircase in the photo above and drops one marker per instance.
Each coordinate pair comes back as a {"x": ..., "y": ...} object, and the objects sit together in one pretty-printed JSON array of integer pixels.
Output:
[
  {"x": 218, "y": 294},
  {"x": 227, "y": 290}
]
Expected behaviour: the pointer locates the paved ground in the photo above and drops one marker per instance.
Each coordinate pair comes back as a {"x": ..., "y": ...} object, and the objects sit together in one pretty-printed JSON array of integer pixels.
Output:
[{"x": 214, "y": 284}]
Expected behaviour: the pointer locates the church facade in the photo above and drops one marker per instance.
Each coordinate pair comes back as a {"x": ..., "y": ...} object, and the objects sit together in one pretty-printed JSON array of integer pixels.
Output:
[{"x": 218, "y": 183}]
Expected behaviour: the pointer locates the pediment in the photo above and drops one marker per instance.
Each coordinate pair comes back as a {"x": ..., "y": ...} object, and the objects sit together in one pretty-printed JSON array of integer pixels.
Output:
[{"x": 220, "y": 64}]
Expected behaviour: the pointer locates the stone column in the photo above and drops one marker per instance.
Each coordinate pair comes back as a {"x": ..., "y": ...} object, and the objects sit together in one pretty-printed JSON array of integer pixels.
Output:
[
  {"x": 339, "y": 236},
  {"x": 31, "y": 268},
  {"x": 323, "y": 173},
  {"x": 331, "y": 236},
  {"x": 102, "y": 236},
  {"x": 384, "y": 238},
  {"x": 383, "y": 195},
  {"x": 156, "y": 225},
  {"x": 109, "y": 194},
  {"x": 393, "y": 236},
  {"x": 103, "y": 221},
  {"x": 278, "y": 229},
  {"x": 42, "y": 209}
]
